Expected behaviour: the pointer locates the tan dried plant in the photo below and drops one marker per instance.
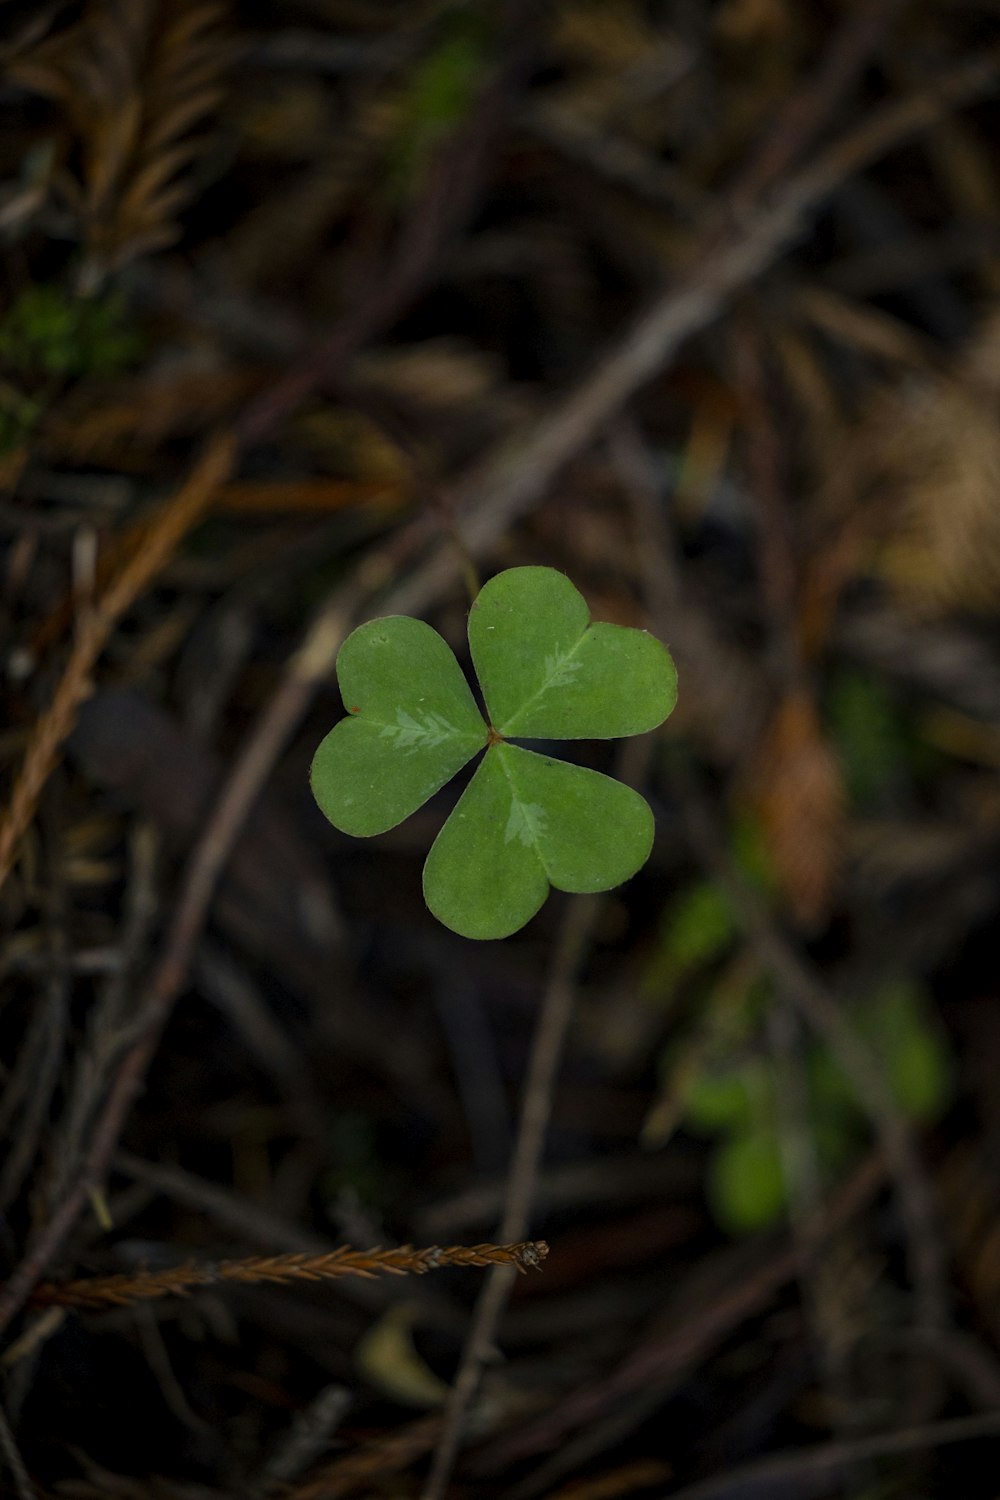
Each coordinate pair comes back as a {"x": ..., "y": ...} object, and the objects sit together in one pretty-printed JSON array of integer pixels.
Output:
[
  {"x": 135, "y": 80},
  {"x": 937, "y": 465}
]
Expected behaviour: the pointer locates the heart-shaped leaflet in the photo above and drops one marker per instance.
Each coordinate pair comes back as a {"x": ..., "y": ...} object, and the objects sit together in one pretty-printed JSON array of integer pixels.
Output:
[
  {"x": 547, "y": 673},
  {"x": 525, "y": 822},
  {"x": 412, "y": 723}
]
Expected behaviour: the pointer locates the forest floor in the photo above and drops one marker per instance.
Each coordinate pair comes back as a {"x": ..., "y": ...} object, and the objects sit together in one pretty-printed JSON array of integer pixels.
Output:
[{"x": 319, "y": 310}]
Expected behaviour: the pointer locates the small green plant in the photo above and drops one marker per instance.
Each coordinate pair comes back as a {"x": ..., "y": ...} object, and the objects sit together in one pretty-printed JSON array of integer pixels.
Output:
[{"x": 526, "y": 821}]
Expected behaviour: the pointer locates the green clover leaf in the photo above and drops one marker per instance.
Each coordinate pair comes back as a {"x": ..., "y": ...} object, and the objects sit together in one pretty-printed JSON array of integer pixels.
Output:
[{"x": 525, "y": 822}]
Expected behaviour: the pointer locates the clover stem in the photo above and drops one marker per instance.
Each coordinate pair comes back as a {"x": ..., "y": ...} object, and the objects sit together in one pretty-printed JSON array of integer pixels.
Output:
[{"x": 493, "y": 738}]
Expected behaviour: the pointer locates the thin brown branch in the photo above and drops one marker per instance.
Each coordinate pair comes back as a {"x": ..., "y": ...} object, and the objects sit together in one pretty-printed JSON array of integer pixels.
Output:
[
  {"x": 546, "y": 1054},
  {"x": 11, "y": 1455},
  {"x": 94, "y": 1062},
  {"x": 118, "y": 1291},
  {"x": 367, "y": 1465},
  {"x": 175, "y": 519},
  {"x": 809, "y": 107},
  {"x": 386, "y": 1454},
  {"x": 251, "y": 1222},
  {"x": 819, "y": 1458},
  {"x": 306, "y": 1440}
]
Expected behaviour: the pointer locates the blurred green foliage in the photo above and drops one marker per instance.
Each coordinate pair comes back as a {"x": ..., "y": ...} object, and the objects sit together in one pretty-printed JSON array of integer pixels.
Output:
[
  {"x": 48, "y": 336},
  {"x": 728, "y": 1099},
  {"x": 357, "y": 1166},
  {"x": 746, "y": 1181},
  {"x": 869, "y": 733},
  {"x": 897, "y": 1023},
  {"x": 438, "y": 97},
  {"x": 18, "y": 415},
  {"x": 697, "y": 929},
  {"x": 48, "y": 332},
  {"x": 880, "y": 748},
  {"x": 734, "y": 1099},
  {"x": 750, "y": 855},
  {"x": 699, "y": 925}
]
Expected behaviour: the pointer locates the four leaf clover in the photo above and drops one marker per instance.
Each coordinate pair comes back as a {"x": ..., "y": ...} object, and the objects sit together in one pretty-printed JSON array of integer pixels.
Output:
[{"x": 526, "y": 821}]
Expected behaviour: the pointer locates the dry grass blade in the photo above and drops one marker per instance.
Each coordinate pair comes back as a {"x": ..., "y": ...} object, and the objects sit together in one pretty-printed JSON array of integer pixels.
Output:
[
  {"x": 175, "y": 519},
  {"x": 118, "y": 1291},
  {"x": 133, "y": 78}
]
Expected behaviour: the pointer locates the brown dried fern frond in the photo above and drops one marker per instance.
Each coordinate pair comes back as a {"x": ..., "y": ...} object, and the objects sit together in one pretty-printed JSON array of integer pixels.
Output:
[
  {"x": 117, "y": 1291},
  {"x": 134, "y": 78}
]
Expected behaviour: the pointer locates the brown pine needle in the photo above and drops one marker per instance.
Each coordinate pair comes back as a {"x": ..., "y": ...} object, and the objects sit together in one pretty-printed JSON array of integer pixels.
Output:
[{"x": 118, "y": 1291}]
